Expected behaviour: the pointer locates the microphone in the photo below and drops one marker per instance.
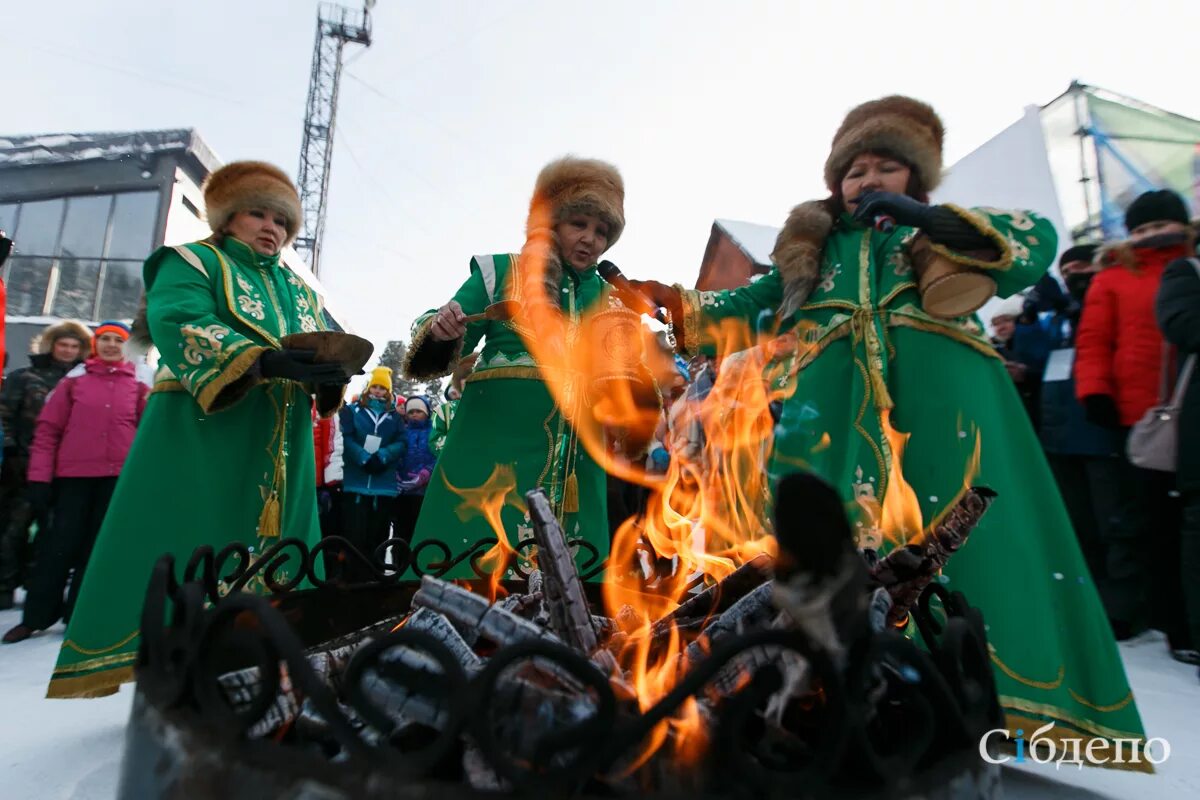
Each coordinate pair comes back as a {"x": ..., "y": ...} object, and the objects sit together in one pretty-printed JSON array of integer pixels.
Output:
[
  {"x": 629, "y": 295},
  {"x": 884, "y": 223}
]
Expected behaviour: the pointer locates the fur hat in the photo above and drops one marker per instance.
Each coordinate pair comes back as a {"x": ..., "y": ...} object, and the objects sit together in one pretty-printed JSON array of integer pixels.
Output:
[
  {"x": 67, "y": 329},
  {"x": 251, "y": 184},
  {"x": 565, "y": 186},
  {"x": 1161, "y": 205},
  {"x": 380, "y": 376},
  {"x": 901, "y": 126},
  {"x": 571, "y": 185}
]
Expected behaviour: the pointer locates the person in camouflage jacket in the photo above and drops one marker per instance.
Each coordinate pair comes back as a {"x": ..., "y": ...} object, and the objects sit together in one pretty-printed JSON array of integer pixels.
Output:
[{"x": 60, "y": 348}]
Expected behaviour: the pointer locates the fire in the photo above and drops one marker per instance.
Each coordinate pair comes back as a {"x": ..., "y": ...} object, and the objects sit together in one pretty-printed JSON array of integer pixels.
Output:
[
  {"x": 901, "y": 519},
  {"x": 488, "y": 501},
  {"x": 707, "y": 515}
]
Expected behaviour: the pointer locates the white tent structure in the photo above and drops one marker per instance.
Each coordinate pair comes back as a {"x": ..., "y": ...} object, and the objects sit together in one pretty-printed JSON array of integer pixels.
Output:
[{"x": 1080, "y": 160}]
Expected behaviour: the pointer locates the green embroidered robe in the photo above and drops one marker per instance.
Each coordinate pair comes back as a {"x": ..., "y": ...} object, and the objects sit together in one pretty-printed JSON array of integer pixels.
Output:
[
  {"x": 217, "y": 448},
  {"x": 866, "y": 345},
  {"x": 507, "y": 426}
]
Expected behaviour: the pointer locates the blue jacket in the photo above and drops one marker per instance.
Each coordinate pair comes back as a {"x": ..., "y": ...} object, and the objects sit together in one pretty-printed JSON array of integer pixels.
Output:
[
  {"x": 419, "y": 458},
  {"x": 371, "y": 418}
]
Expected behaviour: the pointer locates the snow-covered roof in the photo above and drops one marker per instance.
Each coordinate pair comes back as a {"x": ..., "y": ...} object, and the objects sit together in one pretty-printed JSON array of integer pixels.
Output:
[
  {"x": 62, "y": 148},
  {"x": 756, "y": 241}
]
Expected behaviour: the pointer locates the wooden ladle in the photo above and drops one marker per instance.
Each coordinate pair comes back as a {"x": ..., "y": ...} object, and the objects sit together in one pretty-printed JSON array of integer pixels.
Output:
[{"x": 496, "y": 312}]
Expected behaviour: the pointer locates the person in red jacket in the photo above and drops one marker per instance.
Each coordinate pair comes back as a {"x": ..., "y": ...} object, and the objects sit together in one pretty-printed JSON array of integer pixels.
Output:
[
  {"x": 83, "y": 434},
  {"x": 1118, "y": 369},
  {"x": 328, "y": 452}
]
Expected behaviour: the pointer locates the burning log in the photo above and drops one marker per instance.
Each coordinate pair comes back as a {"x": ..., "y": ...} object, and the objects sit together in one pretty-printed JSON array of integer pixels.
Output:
[
  {"x": 242, "y": 687},
  {"x": 399, "y": 703},
  {"x": 907, "y": 570},
  {"x": 753, "y": 610},
  {"x": 530, "y": 606},
  {"x": 736, "y": 585},
  {"x": 570, "y": 615},
  {"x": 474, "y": 616},
  {"x": 430, "y": 621}
]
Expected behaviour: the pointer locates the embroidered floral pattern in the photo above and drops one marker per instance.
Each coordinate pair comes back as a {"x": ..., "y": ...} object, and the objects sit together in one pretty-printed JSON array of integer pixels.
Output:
[
  {"x": 202, "y": 343},
  {"x": 252, "y": 307},
  {"x": 1018, "y": 220},
  {"x": 867, "y": 529},
  {"x": 250, "y": 302},
  {"x": 901, "y": 265},
  {"x": 1019, "y": 250},
  {"x": 829, "y": 277}
]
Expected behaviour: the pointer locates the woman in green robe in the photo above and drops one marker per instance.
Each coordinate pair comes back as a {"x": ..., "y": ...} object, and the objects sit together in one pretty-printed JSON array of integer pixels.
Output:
[
  {"x": 870, "y": 353},
  {"x": 224, "y": 451},
  {"x": 510, "y": 434}
]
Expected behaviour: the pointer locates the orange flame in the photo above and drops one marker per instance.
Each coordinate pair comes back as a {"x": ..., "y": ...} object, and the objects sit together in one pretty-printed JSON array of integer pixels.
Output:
[
  {"x": 901, "y": 520},
  {"x": 706, "y": 515},
  {"x": 488, "y": 501}
]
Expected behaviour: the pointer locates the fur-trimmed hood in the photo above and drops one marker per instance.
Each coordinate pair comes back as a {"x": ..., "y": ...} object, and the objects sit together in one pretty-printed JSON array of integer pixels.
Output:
[
  {"x": 1124, "y": 253},
  {"x": 67, "y": 329}
]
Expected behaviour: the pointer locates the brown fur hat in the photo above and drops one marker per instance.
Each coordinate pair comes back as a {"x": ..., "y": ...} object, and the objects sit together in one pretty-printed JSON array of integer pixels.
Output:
[
  {"x": 251, "y": 184},
  {"x": 67, "y": 329},
  {"x": 898, "y": 125},
  {"x": 570, "y": 185}
]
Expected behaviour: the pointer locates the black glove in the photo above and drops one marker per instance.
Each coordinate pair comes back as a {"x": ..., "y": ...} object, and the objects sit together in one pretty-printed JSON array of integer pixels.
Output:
[
  {"x": 1101, "y": 410},
  {"x": 939, "y": 223},
  {"x": 40, "y": 496},
  {"x": 6, "y": 246},
  {"x": 375, "y": 464},
  {"x": 300, "y": 366},
  {"x": 901, "y": 208}
]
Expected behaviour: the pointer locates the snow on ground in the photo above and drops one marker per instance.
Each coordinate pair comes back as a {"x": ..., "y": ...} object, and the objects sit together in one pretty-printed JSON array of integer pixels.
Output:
[{"x": 71, "y": 749}]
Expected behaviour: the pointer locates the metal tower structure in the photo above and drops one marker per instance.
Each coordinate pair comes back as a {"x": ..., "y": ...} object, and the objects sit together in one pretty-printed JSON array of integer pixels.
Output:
[{"x": 336, "y": 27}]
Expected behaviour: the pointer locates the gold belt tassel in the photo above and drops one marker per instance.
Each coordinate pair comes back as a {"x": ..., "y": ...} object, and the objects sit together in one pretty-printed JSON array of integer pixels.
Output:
[
  {"x": 268, "y": 520},
  {"x": 571, "y": 495}
]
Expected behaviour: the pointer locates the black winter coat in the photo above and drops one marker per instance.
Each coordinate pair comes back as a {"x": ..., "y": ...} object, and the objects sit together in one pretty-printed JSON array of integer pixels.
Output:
[{"x": 1178, "y": 310}]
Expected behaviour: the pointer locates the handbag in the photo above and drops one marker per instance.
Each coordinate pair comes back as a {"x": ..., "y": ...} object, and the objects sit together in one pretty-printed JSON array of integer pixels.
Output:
[{"x": 1154, "y": 439}]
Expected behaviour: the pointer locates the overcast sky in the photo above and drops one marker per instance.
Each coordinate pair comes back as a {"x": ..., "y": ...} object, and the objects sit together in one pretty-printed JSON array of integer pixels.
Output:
[{"x": 710, "y": 109}]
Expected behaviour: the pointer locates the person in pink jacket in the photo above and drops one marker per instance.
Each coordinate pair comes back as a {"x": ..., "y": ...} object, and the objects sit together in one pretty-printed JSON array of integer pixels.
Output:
[{"x": 83, "y": 434}]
